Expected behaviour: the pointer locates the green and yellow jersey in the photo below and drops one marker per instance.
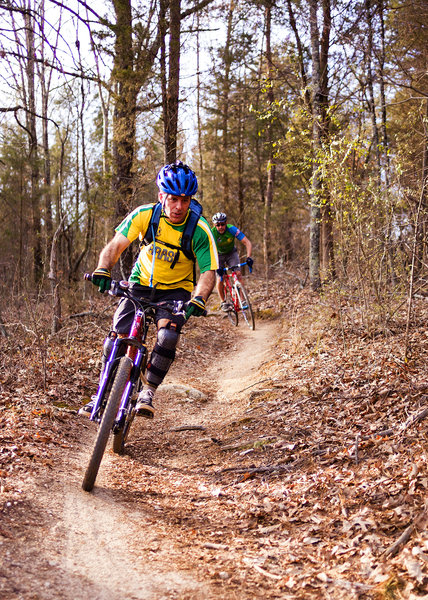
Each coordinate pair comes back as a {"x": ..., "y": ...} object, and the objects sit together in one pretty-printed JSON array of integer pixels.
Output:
[
  {"x": 158, "y": 263},
  {"x": 225, "y": 241}
]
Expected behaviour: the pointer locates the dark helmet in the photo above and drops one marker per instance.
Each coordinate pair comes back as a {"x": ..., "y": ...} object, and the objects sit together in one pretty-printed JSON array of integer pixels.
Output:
[
  {"x": 219, "y": 217},
  {"x": 177, "y": 179}
]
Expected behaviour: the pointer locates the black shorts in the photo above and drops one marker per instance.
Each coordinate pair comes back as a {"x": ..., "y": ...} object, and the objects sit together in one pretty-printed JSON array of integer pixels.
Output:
[
  {"x": 229, "y": 260},
  {"x": 125, "y": 312}
]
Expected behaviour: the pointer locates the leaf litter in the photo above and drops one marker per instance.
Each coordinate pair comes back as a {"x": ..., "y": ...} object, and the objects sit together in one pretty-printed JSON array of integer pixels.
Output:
[{"x": 307, "y": 480}]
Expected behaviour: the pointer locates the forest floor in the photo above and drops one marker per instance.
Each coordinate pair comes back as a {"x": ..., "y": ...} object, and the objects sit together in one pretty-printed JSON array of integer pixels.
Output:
[{"x": 286, "y": 462}]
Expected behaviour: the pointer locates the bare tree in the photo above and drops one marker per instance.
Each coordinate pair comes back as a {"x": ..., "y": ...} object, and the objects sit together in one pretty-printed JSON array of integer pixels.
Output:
[
  {"x": 45, "y": 78},
  {"x": 271, "y": 166},
  {"x": 173, "y": 84},
  {"x": 316, "y": 188},
  {"x": 327, "y": 209}
]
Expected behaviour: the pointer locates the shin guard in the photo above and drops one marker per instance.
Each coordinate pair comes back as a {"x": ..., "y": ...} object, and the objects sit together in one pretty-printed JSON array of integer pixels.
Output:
[{"x": 162, "y": 356}]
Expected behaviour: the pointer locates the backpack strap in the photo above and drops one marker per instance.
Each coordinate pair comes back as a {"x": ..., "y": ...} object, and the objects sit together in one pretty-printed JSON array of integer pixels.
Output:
[
  {"x": 186, "y": 239},
  {"x": 150, "y": 234},
  {"x": 189, "y": 229}
]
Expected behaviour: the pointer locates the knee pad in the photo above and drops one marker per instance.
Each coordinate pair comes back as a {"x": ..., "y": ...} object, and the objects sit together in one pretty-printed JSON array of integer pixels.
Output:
[
  {"x": 168, "y": 338},
  {"x": 162, "y": 356}
]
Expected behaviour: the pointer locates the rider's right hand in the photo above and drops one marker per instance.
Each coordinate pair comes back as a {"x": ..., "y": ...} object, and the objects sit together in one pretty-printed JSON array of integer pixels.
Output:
[
  {"x": 195, "y": 307},
  {"x": 102, "y": 278},
  {"x": 220, "y": 272}
]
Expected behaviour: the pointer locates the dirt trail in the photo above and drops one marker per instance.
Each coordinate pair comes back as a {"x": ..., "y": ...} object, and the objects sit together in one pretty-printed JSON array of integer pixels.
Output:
[
  {"x": 241, "y": 370},
  {"x": 123, "y": 541}
]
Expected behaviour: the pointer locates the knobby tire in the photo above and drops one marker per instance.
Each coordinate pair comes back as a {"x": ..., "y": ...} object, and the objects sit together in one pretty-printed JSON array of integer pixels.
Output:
[
  {"x": 107, "y": 420},
  {"x": 245, "y": 301}
]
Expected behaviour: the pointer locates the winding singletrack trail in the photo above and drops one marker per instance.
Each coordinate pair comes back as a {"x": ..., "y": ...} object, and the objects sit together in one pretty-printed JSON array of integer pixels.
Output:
[{"x": 131, "y": 538}]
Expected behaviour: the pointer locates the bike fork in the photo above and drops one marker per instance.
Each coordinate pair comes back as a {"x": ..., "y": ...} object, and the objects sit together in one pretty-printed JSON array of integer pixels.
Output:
[
  {"x": 108, "y": 369},
  {"x": 127, "y": 393}
]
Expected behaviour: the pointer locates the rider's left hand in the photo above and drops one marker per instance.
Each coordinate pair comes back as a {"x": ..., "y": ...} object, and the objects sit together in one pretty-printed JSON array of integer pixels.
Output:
[
  {"x": 195, "y": 307},
  {"x": 249, "y": 261}
]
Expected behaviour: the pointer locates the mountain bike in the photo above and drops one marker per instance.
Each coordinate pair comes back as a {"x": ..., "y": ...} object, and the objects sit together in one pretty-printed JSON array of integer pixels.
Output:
[
  {"x": 236, "y": 296},
  {"x": 123, "y": 377}
]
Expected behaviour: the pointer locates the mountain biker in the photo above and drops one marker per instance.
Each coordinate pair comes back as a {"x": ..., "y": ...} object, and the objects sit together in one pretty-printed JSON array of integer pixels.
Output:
[
  {"x": 225, "y": 235},
  {"x": 159, "y": 274}
]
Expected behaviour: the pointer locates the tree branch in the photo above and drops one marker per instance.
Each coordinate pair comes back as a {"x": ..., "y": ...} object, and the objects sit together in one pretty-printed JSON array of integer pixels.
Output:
[{"x": 198, "y": 7}]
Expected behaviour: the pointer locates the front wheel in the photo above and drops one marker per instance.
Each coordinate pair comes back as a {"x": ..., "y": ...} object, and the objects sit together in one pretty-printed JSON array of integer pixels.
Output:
[
  {"x": 231, "y": 313},
  {"x": 121, "y": 379},
  {"x": 245, "y": 306}
]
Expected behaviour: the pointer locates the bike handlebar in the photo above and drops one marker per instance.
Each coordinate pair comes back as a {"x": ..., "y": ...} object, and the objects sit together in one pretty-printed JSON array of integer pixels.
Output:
[
  {"x": 121, "y": 289},
  {"x": 115, "y": 287},
  {"x": 233, "y": 267}
]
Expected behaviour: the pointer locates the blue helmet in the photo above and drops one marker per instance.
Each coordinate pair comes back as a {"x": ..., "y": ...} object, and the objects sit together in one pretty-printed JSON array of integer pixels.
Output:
[{"x": 177, "y": 179}]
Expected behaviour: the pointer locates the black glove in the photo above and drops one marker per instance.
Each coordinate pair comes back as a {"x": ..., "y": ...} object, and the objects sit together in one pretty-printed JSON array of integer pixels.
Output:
[
  {"x": 220, "y": 272},
  {"x": 249, "y": 262},
  {"x": 102, "y": 278},
  {"x": 195, "y": 307}
]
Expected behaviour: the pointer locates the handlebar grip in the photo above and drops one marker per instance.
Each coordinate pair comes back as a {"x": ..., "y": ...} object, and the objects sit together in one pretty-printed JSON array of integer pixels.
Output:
[{"x": 87, "y": 276}]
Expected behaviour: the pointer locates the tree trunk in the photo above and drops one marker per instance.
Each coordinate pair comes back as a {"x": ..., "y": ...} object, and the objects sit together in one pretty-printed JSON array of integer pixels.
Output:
[
  {"x": 124, "y": 110},
  {"x": 240, "y": 159},
  {"x": 53, "y": 278},
  {"x": 173, "y": 88},
  {"x": 261, "y": 171},
  {"x": 89, "y": 226},
  {"x": 271, "y": 167},
  {"x": 382, "y": 54},
  {"x": 32, "y": 142},
  {"x": 385, "y": 144},
  {"x": 300, "y": 56},
  {"x": 315, "y": 205},
  {"x": 371, "y": 102},
  {"x": 124, "y": 121},
  {"x": 45, "y": 80},
  {"x": 198, "y": 115},
  {"x": 225, "y": 109},
  {"x": 327, "y": 210},
  {"x": 422, "y": 225}
]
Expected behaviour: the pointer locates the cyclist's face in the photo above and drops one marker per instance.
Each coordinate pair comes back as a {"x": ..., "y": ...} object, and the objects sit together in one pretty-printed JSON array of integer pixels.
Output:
[
  {"x": 175, "y": 207},
  {"x": 221, "y": 227}
]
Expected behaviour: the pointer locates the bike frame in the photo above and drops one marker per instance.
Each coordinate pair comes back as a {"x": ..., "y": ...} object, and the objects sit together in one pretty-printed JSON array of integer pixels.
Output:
[
  {"x": 230, "y": 279},
  {"x": 136, "y": 350},
  {"x": 114, "y": 406},
  {"x": 238, "y": 295}
]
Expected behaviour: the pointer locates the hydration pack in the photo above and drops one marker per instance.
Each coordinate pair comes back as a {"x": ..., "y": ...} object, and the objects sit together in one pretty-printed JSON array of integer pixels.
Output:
[{"x": 195, "y": 211}]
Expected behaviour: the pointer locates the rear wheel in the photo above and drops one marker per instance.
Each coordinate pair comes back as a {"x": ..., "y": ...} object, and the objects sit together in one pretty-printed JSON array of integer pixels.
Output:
[
  {"x": 122, "y": 376},
  {"x": 120, "y": 437},
  {"x": 245, "y": 305}
]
